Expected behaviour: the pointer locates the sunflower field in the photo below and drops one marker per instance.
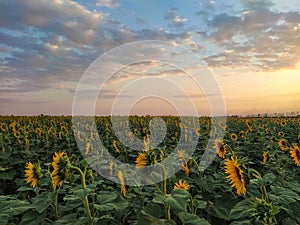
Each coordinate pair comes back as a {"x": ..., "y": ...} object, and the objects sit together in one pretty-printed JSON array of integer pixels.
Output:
[{"x": 46, "y": 179}]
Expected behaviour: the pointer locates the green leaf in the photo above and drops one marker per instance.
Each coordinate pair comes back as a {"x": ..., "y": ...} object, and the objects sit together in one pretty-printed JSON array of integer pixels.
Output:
[
  {"x": 146, "y": 219},
  {"x": 244, "y": 222},
  {"x": 289, "y": 221},
  {"x": 241, "y": 209},
  {"x": 12, "y": 208},
  {"x": 42, "y": 201},
  {"x": 106, "y": 197},
  {"x": 191, "y": 219},
  {"x": 158, "y": 198},
  {"x": 267, "y": 179},
  {"x": 69, "y": 219},
  {"x": 177, "y": 200},
  {"x": 200, "y": 204},
  {"x": 32, "y": 217},
  {"x": 283, "y": 195},
  {"x": 24, "y": 188}
]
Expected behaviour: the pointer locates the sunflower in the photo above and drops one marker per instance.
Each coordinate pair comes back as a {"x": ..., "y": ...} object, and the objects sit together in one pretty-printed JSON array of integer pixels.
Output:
[
  {"x": 234, "y": 137},
  {"x": 87, "y": 148},
  {"x": 141, "y": 160},
  {"x": 283, "y": 123},
  {"x": 283, "y": 144},
  {"x": 181, "y": 184},
  {"x": 220, "y": 148},
  {"x": 79, "y": 136},
  {"x": 182, "y": 157},
  {"x": 295, "y": 154},
  {"x": 235, "y": 174},
  {"x": 116, "y": 147},
  {"x": 186, "y": 169},
  {"x": 4, "y": 127},
  {"x": 161, "y": 155},
  {"x": 273, "y": 139},
  {"x": 249, "y": 124},
  {"x": 39, "y": 131},
  {"x": 61, "y": 169},
  {"x": 280, "y": 133},
  {"x": 243, "y": 134},
  {"x": 265, "y": 157},
  {"x": 267, "y": 130},
  {"x": 33, "y": 173},
  {"x": 123, "y": 187}
]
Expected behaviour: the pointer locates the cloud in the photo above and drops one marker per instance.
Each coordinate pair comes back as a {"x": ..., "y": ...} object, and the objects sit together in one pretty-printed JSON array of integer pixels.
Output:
[
  {"x": 261, "y": 38},
  {"x": 107, "y": 3},
  {"x": 175, "y": 20},
  {"x": 66, "y": 18}
]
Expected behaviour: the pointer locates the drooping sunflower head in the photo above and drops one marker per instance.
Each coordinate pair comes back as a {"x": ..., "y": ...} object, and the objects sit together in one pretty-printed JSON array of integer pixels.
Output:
[
  {"x": 267, "y": 130},
  {"x": 273, "y": 139},
  {"x": 295, "y": 154},
  {"x": 234, "y": 137},
  {"x": 33, "y": 173},
  {"x": 141, "y": 160},
  {"x": 61, "y": 169},
  {"x": 249, "y": 124},
  {"x": 243, "y": 134},
  {"x": 220, "y": 148},
  {"x": 181, "y": 155},
  {"x": 265, "y": 157},
  {"x": 181, "y": 184},
  {"x": 280, "y": 133},
  {"x": 123, "y": 187},
  {"x": 87, "y": 148},
  {"x": 283, "y": 144},
  {"x": 235, "y": 174},
  {"x": 39, "y": 131}
]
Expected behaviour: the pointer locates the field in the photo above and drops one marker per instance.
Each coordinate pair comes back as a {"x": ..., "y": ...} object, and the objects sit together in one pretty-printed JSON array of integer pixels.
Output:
[{"x": 45, "y": 178}]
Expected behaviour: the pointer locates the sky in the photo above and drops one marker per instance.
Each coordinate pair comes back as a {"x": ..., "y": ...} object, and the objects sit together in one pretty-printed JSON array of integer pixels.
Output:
[{"x": 249, "y": 51}]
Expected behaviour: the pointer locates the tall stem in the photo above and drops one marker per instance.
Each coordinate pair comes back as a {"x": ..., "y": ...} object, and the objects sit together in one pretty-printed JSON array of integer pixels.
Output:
[
  {"x": 85, "y": 199},
  {"x": 56, "y": 204}
]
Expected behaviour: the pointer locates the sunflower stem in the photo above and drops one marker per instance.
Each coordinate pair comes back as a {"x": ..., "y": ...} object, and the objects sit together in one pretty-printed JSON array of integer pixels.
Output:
[
  {"x": 263, "y": 189},
  {"x": 85, "y": 200},
  {"x": 56, "y": 204},
  {"x": 167, "y": 207}
]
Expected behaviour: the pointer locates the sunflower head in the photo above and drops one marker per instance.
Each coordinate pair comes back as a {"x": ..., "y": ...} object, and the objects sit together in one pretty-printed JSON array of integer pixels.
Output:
[
  {"x": 283, "y": 144},
  {"x": 39, "y": 131},
  {"x": 267, "y": 130},
  {"x": 220, "y": 148},
  {"x": 265, "y": 157},
  {"x": 181, "y": 184},
  {"x": 295, "y": 154},
  {"x": 233, "y": 137},
  {"x": 141, "y": 160},
  {"x": 280, "y": 133},
  {"x": 123, "y": 187},
  {"x": 61, "y": 169},
  {"x": 249, "y": 124},
  {"x": 235, "y": 174},
  {"x": 243, "y": 134},
  {"x": 181, "y": 155},
  {"x": 282, "y": 123},
  {"x": 4, "y": 127},
  {"x": 33, "y": 173}
]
